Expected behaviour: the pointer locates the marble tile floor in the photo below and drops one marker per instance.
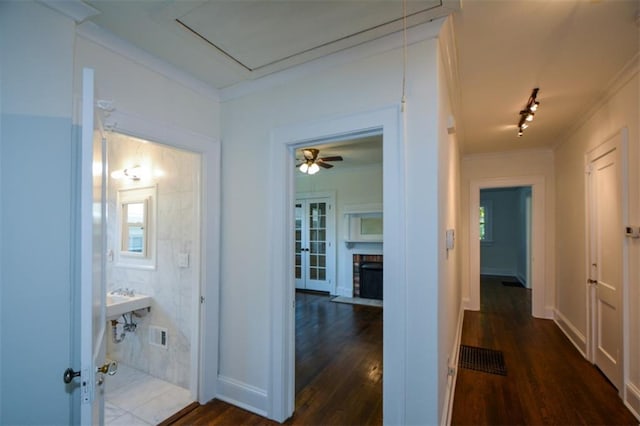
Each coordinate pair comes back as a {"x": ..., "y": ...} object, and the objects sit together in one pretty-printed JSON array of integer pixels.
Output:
[{"x": 136, "y": 398}]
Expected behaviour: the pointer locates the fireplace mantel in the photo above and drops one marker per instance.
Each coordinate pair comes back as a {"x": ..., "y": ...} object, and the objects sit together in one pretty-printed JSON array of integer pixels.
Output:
[{"x": 356, "y": 230}]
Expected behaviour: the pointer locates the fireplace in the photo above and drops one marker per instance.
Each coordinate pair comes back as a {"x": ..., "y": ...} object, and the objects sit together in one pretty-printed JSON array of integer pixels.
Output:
[{"x": 367, "y": 276}]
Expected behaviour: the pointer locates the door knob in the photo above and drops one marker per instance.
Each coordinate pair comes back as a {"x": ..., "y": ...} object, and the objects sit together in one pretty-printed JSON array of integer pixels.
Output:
[
  {"x": 109, "y": 368},
  {"x": 69, "y": 374}
]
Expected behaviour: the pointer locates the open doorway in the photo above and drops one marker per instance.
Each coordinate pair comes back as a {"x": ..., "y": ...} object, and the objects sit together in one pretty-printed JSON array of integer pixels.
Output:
[
  {"x": 531, "y": 268},
  {"x": 505, "y": 242},
  {"x": 285, "y": 140},
  {"x": 338, "y": 232}
]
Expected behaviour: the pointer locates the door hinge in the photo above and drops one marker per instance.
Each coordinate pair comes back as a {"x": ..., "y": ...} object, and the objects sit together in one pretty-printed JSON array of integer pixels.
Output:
[{"x": 201, "y": 299}]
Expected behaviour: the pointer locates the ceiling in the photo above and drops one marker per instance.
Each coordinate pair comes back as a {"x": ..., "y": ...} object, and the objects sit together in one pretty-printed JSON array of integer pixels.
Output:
[{"x": 570, "y": 49}]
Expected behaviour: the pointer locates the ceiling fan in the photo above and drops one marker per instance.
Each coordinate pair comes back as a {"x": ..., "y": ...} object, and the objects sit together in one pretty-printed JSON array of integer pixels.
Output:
[{"x": 311, "y": 163}]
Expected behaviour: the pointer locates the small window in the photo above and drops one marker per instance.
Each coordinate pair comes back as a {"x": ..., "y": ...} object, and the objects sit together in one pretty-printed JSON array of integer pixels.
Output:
[{"x": 486, "y": 228}]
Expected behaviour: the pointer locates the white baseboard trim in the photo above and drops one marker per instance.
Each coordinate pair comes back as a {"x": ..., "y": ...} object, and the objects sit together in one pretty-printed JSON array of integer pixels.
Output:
[
  {"x": 453, "y": 366},
  {"x": 632, "y": 399},
  {"x": 345, "y": 291},
  {"x": 242, "y": 395},
  {"x": 573, "y": 334},
  {"x": 466, "y": 303},
  {"x": 497, "y": 272}
]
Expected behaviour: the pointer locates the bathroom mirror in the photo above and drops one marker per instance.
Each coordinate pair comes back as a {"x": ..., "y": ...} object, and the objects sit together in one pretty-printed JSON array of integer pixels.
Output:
[{"x": 136, "y": 219}]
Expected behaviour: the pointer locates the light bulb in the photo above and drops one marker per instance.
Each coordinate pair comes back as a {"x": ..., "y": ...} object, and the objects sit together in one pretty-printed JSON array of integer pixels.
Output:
[
  {"x": 524, "y": 126},
  {"x": 313, "y": 169},
  {"x": 304, "y": 167},
  {"x": 530, "y": 117},
  {"x": 520, "y": 133},
  {"x": 534, "y": 107}
]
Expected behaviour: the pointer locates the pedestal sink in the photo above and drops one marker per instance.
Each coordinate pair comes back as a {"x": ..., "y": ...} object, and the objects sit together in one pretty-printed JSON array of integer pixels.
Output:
[{"x": 118, "y": 303}]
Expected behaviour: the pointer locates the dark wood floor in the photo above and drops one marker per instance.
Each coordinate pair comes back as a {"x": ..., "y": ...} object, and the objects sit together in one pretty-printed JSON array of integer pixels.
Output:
[
  {"x": 547, "y": 382},
  {"x": 338, "y": 369}
]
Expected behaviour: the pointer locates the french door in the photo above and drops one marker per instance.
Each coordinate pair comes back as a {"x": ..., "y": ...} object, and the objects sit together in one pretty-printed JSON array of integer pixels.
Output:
[{"x": 315, "y": 245}]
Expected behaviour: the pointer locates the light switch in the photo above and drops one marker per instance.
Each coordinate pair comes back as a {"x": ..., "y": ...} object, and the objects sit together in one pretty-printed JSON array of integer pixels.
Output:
[{"x": 183, "y": 260}]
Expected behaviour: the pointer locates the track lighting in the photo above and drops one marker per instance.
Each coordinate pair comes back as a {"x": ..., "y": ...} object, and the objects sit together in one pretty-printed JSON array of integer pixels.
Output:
[{"x": 528, "y": 113}]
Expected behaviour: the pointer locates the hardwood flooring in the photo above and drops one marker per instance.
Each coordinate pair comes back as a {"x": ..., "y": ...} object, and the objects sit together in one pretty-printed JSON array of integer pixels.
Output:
[
  {"x": 338, "y": 369},
  {"x": 548, "y": 381}
]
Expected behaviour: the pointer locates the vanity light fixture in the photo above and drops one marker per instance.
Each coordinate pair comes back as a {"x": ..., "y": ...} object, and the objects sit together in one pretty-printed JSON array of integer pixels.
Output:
[
  {"x": 134, "y": 173},
  {"x": 528, "y": 113}
]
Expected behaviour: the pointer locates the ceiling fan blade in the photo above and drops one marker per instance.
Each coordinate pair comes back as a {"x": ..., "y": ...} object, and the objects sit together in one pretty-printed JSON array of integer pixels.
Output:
[
  {"x": 333, "y": 158},
  {"x": 324, "y": 165}
]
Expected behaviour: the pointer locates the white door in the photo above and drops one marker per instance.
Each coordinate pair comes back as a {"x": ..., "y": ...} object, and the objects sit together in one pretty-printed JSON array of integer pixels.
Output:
[
  {"x": 606, "y": 242},
  {"x": 92, "y": 259},
  {"x": 314, "y": 245}
]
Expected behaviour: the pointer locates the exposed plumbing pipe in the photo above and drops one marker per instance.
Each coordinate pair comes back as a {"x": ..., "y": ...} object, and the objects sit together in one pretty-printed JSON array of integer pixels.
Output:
[{"x": 114, "y": 328}]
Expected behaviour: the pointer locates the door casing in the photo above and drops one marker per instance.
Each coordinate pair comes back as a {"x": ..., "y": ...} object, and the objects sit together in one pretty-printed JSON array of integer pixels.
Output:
[{"x": 538, "y": 232}]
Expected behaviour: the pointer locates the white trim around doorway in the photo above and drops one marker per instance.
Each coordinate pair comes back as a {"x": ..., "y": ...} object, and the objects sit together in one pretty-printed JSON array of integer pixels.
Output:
[
  {"x": 538, "y": 236},
  {"x": 385, "y": 121}
]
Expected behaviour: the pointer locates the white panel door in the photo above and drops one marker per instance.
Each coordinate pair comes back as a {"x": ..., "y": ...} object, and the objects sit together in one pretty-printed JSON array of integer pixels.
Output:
[
  {"x": 606, "y": 242},
  {"x": 314, "y": 245},
  {"x": 92, "y": 261}
]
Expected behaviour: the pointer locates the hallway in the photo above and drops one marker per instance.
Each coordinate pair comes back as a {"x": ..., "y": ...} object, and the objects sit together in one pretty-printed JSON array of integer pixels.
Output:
[{"x": 547, "y": 382}]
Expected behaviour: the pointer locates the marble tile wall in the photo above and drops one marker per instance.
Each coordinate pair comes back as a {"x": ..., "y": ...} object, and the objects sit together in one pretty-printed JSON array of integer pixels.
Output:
[{"x": 176, "y": 174}]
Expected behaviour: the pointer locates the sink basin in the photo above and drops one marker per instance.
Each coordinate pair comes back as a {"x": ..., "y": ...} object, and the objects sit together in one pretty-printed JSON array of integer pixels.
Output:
[{"x": 118, "y": 304}]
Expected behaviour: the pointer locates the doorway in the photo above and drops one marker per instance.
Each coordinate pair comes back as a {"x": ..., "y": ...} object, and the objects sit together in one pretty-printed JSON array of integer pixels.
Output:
[
  {"x": 385, "y": 121},
  {"x": 537, "y": 270},
  {"x": 154, "y": 256},
  {"x": 505, "y": 232}
]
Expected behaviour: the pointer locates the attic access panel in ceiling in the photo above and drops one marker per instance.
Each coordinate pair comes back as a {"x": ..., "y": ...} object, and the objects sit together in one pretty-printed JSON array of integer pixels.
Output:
[{"x": 260, "y": 34}]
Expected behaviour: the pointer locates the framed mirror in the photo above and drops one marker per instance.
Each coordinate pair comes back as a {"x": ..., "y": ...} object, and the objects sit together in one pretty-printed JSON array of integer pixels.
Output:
[{"x": 135, "y": 244}]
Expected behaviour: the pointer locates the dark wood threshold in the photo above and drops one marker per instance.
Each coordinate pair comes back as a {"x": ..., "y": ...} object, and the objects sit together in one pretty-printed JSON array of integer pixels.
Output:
[{"x": 180, "y": 414}]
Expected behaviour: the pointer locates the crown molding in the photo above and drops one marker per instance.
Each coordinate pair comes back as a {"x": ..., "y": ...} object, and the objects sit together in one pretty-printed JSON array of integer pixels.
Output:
[
  {"x": 74, "y": 9},
  {"x": 628, "y": 72},
  {"x": 92, "y": 32},
  {"x": 392, "y": 41}
]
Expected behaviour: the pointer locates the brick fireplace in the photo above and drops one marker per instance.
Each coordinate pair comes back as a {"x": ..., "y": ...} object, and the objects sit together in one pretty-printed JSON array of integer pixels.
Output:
[{"x": 358, "y": 261}]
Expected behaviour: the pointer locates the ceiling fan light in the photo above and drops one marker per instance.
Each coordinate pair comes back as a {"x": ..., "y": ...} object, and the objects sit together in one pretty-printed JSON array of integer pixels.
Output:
[
  {"x": 313, "y": 169},
  {"x": 304, "y": 167}
]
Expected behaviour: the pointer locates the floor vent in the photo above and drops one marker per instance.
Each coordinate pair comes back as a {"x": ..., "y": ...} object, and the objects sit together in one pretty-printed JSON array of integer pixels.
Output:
[{"x": 482, "y": 359}]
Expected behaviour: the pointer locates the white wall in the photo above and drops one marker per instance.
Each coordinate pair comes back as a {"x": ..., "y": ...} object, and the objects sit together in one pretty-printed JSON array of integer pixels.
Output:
[
  {"x": 618, "y": 110},
  {"x": 513, "y": 164},
  {"x": 177, "y": 176},
  {"x": 365, "y": 84},
  {"x": 36, "y": 53},
  {"x": 449, "y": 285},
  {"x": 358, "y": 185}
]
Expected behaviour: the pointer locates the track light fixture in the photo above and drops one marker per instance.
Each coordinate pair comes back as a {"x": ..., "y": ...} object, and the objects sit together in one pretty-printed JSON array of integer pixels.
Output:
[{"x": 527, "y": 114}]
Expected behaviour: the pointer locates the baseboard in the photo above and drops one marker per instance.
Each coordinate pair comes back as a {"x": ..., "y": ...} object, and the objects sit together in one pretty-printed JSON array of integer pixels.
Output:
[
  {"x": 573, "y": 334},
  {"x": 242, "y": 395},
  {"x": 453, "y": 367},
  {"x": 466, "y": 303},
  {"x": 344, "y": 291},
  {"x": 632, "y": 399},
  {"x": 498, "y": 272}
]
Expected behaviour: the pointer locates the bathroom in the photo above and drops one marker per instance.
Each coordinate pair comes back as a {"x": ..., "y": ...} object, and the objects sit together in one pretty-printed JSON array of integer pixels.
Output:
[{"x": 154, "y": 250}]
